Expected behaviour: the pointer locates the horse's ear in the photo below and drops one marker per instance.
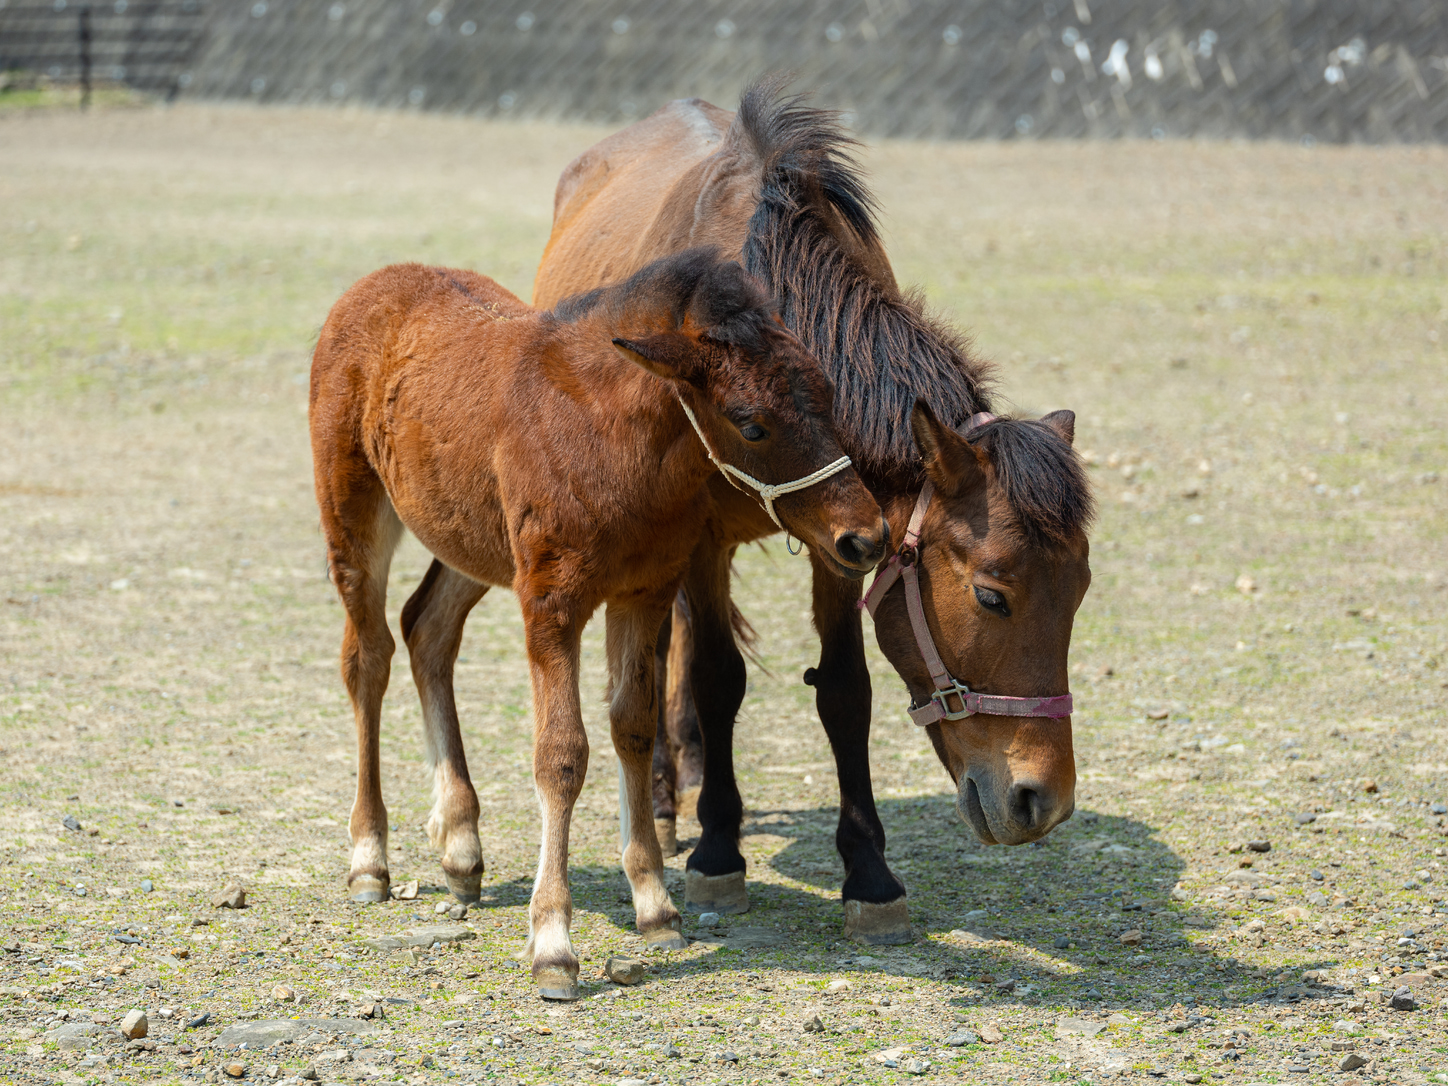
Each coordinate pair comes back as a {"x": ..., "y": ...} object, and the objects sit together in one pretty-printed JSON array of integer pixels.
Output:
[
  {"x": 1064, "y": 423},
  {"x": 953, "y": 464},
  {"x": 669, "y": 355}
]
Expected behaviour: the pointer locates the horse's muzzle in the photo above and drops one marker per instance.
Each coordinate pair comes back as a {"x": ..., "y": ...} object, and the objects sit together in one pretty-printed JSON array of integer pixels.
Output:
[{"x": 1014, "y": 812}]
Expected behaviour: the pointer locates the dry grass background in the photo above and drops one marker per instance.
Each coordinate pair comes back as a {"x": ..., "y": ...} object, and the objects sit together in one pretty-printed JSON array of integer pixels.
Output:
[{"x": 1253, "y": 337}]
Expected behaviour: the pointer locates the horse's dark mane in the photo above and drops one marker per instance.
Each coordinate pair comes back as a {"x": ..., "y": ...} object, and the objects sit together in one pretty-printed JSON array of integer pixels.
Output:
[
  {"x": 696, "y": 283},
  {"x": 880, "y": 348},
  {"x": 1042, "y": 477}
]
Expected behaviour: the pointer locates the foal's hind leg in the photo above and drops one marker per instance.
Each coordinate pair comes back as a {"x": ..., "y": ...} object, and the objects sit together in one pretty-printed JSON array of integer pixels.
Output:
[
  {"x": 633, "y": 710},
  {"x": 359, "y": 552},
  {"x": 432, "y": 627}
]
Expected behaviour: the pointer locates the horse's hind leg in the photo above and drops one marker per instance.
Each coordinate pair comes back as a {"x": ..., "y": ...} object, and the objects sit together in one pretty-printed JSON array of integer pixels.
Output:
[
  {"x": 432, "y": 627},
  {"x": 678, "y": 748},
  {"x": 633, "y": 711},
  {"x": 665, "y": 781},
  {"x": 362, "y": 531}
]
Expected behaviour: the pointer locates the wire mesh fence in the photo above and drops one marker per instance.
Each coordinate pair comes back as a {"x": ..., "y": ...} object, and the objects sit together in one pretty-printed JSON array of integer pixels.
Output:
[
  {"x": 1326, "y": 70},
  {"x": 145, "y": 45}
]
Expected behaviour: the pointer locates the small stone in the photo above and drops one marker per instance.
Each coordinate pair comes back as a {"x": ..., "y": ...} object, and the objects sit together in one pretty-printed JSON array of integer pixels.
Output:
[
  {"x": 1158, "y": 714},
  {"x": 1063, "y": 942},
  {"x": 1306, "y": 818},
  {"x": 991, "y": 1035},
  {"x": 728, "y": 1056},
  {"x": 1259, "y": 846},
  {"x": 408, "y": 891},
  {"x": 310, "y": 1074},
  {"x": 1130, "y": 938},
  {"x": 1370, "y": 785},
  {"x": 440, "y": 908},
  {"x": 284, "y": 994},
  {"x": 1439, "y": 808},
  {"x": 1193, "y": 1078},
  {"x": 233, "y": 897},
  {"x": 623, "y": 969},
  {"x": 1317, "y": 898},
  {"x": 1403, "y": 1000},
  {"x": 834, "y": 987},
  {"x": 812, "y": 1024},
  {"x": 960, "y": 1038},
  {"x": 135, "y": 1024},
  {"x": 234, "y": 1069},
  {"x": 916, "y": 1066},
  {"x": 147, "y": 885},
  {"x": 709, "y": 920},
  {"x": 70, "y": 823},
  {"x": 458, "y": 911},
  {"x": 1351, "y": 1062}
]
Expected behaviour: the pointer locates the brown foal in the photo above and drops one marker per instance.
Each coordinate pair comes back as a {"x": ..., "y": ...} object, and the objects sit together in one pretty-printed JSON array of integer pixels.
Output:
[{"x": 564, "y": 454}]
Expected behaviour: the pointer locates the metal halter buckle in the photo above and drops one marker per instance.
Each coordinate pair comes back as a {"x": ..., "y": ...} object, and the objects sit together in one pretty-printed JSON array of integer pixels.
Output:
[{"x": 957, "y": 689}]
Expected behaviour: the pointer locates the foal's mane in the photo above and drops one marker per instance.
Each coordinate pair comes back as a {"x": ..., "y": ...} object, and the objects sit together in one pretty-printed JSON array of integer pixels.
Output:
[{"x": 880, "y": 348}]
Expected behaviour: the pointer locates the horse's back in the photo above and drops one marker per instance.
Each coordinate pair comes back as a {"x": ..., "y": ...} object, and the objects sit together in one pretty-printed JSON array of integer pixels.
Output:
[{"x": 676, "y": 179}]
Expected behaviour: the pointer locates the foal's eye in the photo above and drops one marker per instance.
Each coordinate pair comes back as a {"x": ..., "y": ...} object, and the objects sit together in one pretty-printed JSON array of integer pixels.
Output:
[
  {"x": 992, "y": 600},
  {"x": 752, "y": 431}
]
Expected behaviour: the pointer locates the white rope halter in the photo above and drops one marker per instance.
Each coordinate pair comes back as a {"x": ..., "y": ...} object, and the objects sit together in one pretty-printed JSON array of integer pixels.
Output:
[{"x": 767, "y": 491}]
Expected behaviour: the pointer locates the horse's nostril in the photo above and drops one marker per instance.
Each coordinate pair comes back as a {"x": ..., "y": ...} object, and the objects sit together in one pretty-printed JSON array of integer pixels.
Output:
[
  {"x": 1027, "y": 806},
  {"x": 853, "y": 548}
]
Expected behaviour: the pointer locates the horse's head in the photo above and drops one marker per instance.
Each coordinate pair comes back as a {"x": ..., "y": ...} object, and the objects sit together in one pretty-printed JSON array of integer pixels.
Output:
[
  {"x": 1002, "y": 567},
  {"x": 762, "y": 405}
]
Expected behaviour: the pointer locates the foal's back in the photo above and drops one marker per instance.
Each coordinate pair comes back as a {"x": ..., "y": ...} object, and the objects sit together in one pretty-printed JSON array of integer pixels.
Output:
[{"x": 405, "y": 312}]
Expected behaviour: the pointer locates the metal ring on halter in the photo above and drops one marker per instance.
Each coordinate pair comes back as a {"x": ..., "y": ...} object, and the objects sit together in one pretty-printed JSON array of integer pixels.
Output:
[{"x": 787, "y": 538}]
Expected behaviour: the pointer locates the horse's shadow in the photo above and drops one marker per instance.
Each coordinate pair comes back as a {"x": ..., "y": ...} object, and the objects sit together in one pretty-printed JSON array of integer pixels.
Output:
[{"x": 1038, "y": 922}]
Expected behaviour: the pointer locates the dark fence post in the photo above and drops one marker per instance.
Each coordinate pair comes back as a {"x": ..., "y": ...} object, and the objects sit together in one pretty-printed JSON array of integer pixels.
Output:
[{"x": 85, "y": 65}]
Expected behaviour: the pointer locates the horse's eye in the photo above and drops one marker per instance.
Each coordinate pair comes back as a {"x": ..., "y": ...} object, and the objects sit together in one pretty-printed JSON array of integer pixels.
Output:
[
  {"x": 752, "y": 431},
  {"x": 992, "y": 600}
]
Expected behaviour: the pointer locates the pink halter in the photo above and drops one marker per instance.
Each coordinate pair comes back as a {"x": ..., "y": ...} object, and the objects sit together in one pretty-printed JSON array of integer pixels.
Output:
[{"x": 948, "y": 692}]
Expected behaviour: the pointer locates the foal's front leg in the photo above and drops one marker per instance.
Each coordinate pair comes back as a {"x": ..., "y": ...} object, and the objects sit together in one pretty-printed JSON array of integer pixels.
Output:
[
  {"x": 560, "y": 760},
  {"x": 633, "y": 710}
]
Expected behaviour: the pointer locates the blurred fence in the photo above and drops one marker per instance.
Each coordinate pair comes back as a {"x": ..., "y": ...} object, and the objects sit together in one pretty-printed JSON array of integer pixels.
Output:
[
  {"x": 146, "y": 45},
  {"x": 1327, "y": 70}
]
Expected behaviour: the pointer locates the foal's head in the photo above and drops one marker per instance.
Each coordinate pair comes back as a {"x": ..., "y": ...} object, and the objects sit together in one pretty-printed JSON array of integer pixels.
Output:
[
  {"x": 1004, "y": 561},
  {"x": 762, "y": 401}
]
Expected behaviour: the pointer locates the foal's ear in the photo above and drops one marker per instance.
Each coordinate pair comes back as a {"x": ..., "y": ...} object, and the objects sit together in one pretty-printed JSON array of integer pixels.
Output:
[
  {"x": 670, "y": 355},
  {"x": 1064, "y": 423},
  {"x": 953, "y": 464}
]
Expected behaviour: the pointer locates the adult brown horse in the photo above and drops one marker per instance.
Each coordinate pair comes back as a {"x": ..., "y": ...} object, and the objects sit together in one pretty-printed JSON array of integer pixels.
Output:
[
  {"x": 522, "y": 450},
  {"x": 998, "y": 564}
]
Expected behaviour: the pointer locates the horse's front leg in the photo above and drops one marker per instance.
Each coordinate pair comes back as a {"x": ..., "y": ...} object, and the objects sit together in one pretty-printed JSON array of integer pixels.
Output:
[
  {"x": 874, "y": 899},
  {"x": 560, "y": 760},
  {"x": 633, "y": 710},
  {"x": 714, "y": 879},
  {"x": 432, "y": 626}
]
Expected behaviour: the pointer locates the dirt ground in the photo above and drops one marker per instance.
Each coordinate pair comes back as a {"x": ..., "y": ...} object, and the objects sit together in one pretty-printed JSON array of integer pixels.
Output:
[{"x": 1253, "y": 337}]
